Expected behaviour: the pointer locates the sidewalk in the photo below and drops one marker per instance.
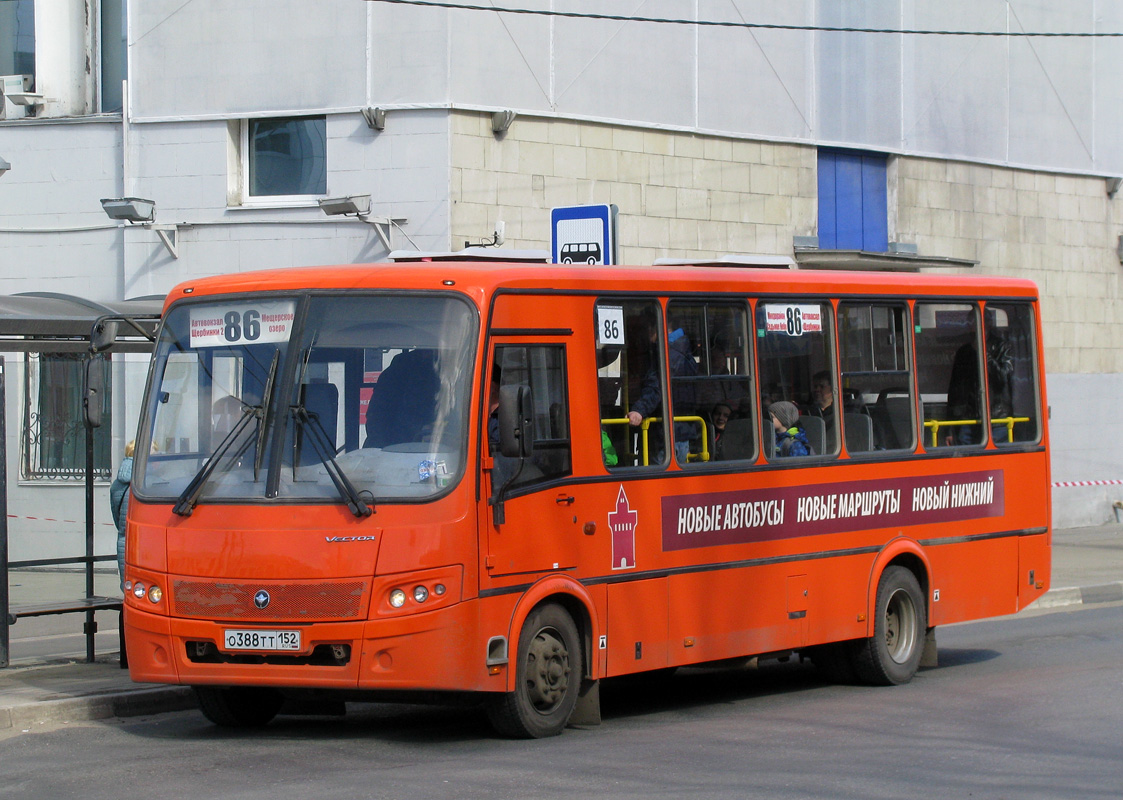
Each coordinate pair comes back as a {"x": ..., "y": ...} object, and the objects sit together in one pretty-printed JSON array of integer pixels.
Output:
[{"x": 1087, "y": 569}]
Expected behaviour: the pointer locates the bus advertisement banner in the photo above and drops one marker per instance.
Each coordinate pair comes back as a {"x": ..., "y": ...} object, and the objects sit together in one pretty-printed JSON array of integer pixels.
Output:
[{"x": 757, "y": 515}]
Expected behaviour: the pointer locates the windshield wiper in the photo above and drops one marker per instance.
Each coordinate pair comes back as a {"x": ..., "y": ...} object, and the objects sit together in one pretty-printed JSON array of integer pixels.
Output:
[
  {"x": 266, "y": 396},
  {"x": 361, "y": 504},
  {"x": 186, "y": 502}
]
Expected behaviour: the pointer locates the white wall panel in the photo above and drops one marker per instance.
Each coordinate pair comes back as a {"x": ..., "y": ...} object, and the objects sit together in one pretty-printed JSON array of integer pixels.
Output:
[
  {"x": 642, "y": 72},
  {"x": 59, "y": 173},
  {"x": 409, "y": 55},
  {"x": 209, "y": 56},
  {"x": 756, "y": 80},
  {"x": 859, "y": 74},
  {"x": 949, "y": 107},
  {"x": 502, "y": 59},
  {"x": 1051, "y": 85}
]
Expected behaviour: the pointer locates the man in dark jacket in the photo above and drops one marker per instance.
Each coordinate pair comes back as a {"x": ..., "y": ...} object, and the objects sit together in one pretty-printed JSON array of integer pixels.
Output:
[{"x": 680, "y": 354}]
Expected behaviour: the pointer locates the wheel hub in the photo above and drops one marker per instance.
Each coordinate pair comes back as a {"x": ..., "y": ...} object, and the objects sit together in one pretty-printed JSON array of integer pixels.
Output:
[{"x": 547, "y": 670}]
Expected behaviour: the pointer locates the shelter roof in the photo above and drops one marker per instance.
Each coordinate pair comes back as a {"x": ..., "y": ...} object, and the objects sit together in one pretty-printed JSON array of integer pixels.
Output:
[{"x": 60, "y": 323}]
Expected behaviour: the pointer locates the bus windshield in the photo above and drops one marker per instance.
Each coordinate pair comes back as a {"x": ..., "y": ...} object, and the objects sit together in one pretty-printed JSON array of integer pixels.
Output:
[{"x": 317, "y": 397}]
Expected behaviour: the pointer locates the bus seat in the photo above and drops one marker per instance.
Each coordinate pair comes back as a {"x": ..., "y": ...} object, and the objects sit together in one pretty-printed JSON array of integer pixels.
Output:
[
  {"x": 737, "y": 441},
  {"x": 893, "y": 418},
  {"x": 815, "y": 429},
  {"x": 859, "y": 432},
  {"x": 404, "y": 401},
  {"x": 321, "y": 401}
]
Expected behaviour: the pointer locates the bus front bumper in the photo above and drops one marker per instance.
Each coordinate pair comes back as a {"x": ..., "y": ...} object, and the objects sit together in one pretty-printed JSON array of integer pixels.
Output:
[{"x": 436, "y": 650}]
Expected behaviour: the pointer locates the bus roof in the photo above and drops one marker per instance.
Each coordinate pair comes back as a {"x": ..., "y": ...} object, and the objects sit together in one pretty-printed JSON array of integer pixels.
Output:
[{"x": 481, "y": 279}]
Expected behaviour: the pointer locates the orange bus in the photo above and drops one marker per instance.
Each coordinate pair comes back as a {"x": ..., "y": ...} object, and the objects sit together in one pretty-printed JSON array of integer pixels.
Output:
[{"x": 516, "y": 480}]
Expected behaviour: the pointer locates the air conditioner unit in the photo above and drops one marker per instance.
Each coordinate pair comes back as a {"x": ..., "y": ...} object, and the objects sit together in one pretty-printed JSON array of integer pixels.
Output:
[{"x": 13, "y": 84}]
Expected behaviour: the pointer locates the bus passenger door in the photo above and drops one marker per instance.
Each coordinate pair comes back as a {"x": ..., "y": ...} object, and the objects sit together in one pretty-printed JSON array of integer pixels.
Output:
[{"x": 536, "y": 529}]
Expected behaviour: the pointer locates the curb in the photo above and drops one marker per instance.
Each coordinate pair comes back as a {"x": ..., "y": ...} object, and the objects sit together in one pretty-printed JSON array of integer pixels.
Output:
[
  {"x": 1080, "y": 595},
  {"x": 133, "y": 703}
]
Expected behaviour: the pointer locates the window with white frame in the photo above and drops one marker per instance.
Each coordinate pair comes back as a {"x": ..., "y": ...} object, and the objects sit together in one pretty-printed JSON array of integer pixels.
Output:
[
  {"x": 114, "y": 53},
  {"x": 17, "y": 37},
  {"x": 283, "y": 158}
]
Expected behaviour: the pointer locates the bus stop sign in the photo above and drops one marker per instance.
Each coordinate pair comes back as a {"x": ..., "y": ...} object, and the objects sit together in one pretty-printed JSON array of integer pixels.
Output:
[{"x": 584, "y": 234}]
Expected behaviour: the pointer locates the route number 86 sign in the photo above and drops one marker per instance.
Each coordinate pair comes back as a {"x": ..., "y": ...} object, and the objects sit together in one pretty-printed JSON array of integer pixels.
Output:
[
  {"x": 242, "y": 323},
  {"x": 794, "y": 320}
]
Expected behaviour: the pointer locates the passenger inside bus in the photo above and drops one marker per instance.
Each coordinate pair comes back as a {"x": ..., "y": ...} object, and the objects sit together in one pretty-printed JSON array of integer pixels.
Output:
[
  {"x": 682, "y": 393},
  {"x": 822, "y": 400},
  {"x": 403, "y": 406},
  {"x": 791, "y": 440},
  {"x": 719, "y": 416}
]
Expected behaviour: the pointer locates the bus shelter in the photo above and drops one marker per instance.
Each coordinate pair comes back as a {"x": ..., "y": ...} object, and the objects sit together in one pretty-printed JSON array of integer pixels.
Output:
[{"x": 83, "y": 333}]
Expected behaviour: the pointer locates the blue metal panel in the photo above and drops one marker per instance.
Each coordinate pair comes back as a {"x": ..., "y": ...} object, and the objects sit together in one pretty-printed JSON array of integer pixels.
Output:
[
  {"x": 853, "y": 207},
  {"x": 848, "y": 200},
  {"x": 875, "y": 208},
  {"x": 828, "y": 234}
]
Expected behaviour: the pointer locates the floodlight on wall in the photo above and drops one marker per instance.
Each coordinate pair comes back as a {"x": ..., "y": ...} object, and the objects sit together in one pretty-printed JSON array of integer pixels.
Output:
[
  {"x": 4, "y": 166},
  {"x": 376, "y": 118},
  {"x": 352, "y": 205},
  {"x": 358, "y": 206},
  {"x": 130, "y": 209},
  {"x": 501, "y": 121},
  {"x": 137, "y": 210},
  {"x": 1113, "y": 185}
]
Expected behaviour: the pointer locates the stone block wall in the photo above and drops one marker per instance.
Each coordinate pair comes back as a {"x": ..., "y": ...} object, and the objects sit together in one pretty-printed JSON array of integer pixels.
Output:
[
  {"x": 678, "y": 194},
  {"x": 1057, "y": 230}
]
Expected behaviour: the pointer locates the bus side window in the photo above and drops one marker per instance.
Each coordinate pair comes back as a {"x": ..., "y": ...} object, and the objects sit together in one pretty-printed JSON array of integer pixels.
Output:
[
  {"x": 875, "y": 396},
  {"x": 950, "y": 373},
  {"x": 795, "y": 344},
  {"x": 710, "y": 389},
  {"x": 542, "y": 368},
  {"x": 630, "y": 381},
  {"x": 1011, "y": 372}
]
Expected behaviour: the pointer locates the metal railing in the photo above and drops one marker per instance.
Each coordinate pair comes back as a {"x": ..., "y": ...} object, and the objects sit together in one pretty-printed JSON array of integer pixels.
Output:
[
  {"x": 704, "y": 455},
  {"x": 934, "y": 425}
]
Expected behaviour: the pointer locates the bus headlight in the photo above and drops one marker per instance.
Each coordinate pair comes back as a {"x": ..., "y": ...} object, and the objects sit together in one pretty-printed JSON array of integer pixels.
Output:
[
  {"x": 397, "y": 598},
  {"x": 155, "y": 594},
  {"x": 139, "y": 590},
  {"x": 420, "y": 594}
]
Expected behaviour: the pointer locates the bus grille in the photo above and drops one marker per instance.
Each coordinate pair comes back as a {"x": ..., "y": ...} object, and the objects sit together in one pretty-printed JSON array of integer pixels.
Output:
[{"x": 287, "y": 601}]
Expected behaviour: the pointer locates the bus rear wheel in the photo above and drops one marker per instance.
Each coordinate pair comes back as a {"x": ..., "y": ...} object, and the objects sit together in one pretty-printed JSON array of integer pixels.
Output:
[
  {"x": 238, "y": 706},
  {"x": 892, "y": 654},
  {"x": 547, "y": 678}
]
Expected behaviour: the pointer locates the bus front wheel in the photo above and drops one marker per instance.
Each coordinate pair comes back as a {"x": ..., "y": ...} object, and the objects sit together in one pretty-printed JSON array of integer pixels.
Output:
[
  {"x": 892, "y": 654},
  {"x": 238, "y": 706},
  {"x": 547, "y": 677}
]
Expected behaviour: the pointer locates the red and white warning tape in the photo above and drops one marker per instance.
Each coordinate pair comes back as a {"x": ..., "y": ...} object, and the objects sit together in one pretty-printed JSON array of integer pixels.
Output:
[
  {"x": 1066, "y": 484},
  {"x": 51, "y": 519}
]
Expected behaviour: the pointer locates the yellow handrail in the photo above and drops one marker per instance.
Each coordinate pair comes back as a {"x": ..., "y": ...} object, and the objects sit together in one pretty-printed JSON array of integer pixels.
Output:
[
  {"x": 647, "y": 423},
  {"x": 936, "y": 424}
]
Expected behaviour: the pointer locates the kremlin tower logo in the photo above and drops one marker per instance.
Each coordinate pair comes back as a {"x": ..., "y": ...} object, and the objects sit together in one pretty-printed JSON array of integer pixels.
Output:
[{"x": 622, "y": 523}]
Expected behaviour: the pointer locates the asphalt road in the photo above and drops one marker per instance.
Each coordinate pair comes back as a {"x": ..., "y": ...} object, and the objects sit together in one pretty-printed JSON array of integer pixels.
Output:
[{"x": 1023, "y": 707}]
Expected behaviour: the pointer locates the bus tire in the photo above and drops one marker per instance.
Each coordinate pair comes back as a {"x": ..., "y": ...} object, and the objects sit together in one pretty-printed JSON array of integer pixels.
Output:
[
  {"x": 547, "y": 677},
  {"x": 892, "y": 655},
  {"x": 238, "y": 706}
]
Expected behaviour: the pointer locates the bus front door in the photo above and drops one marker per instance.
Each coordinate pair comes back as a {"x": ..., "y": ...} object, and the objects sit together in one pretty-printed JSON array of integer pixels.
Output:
[{"x": 533, "y": 527}]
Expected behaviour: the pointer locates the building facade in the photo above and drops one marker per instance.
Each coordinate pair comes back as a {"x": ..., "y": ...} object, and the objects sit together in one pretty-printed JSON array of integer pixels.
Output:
[{"x": 994, "y": 153}]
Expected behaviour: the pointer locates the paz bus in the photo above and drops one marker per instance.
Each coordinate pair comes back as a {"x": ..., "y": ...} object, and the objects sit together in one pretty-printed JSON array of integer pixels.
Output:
[{"x": 514, "y": 480}]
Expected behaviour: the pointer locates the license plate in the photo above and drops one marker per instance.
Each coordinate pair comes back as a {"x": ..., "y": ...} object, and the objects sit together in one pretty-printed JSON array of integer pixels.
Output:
[{"x": 261, "y": 640}]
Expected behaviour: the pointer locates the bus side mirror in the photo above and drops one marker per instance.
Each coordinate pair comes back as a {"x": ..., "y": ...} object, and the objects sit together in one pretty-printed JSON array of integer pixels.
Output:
[
  {"x": 94, "y": 387},
  {"x": 516, "y": 421},
  {"x": 103, "y": 335}
]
